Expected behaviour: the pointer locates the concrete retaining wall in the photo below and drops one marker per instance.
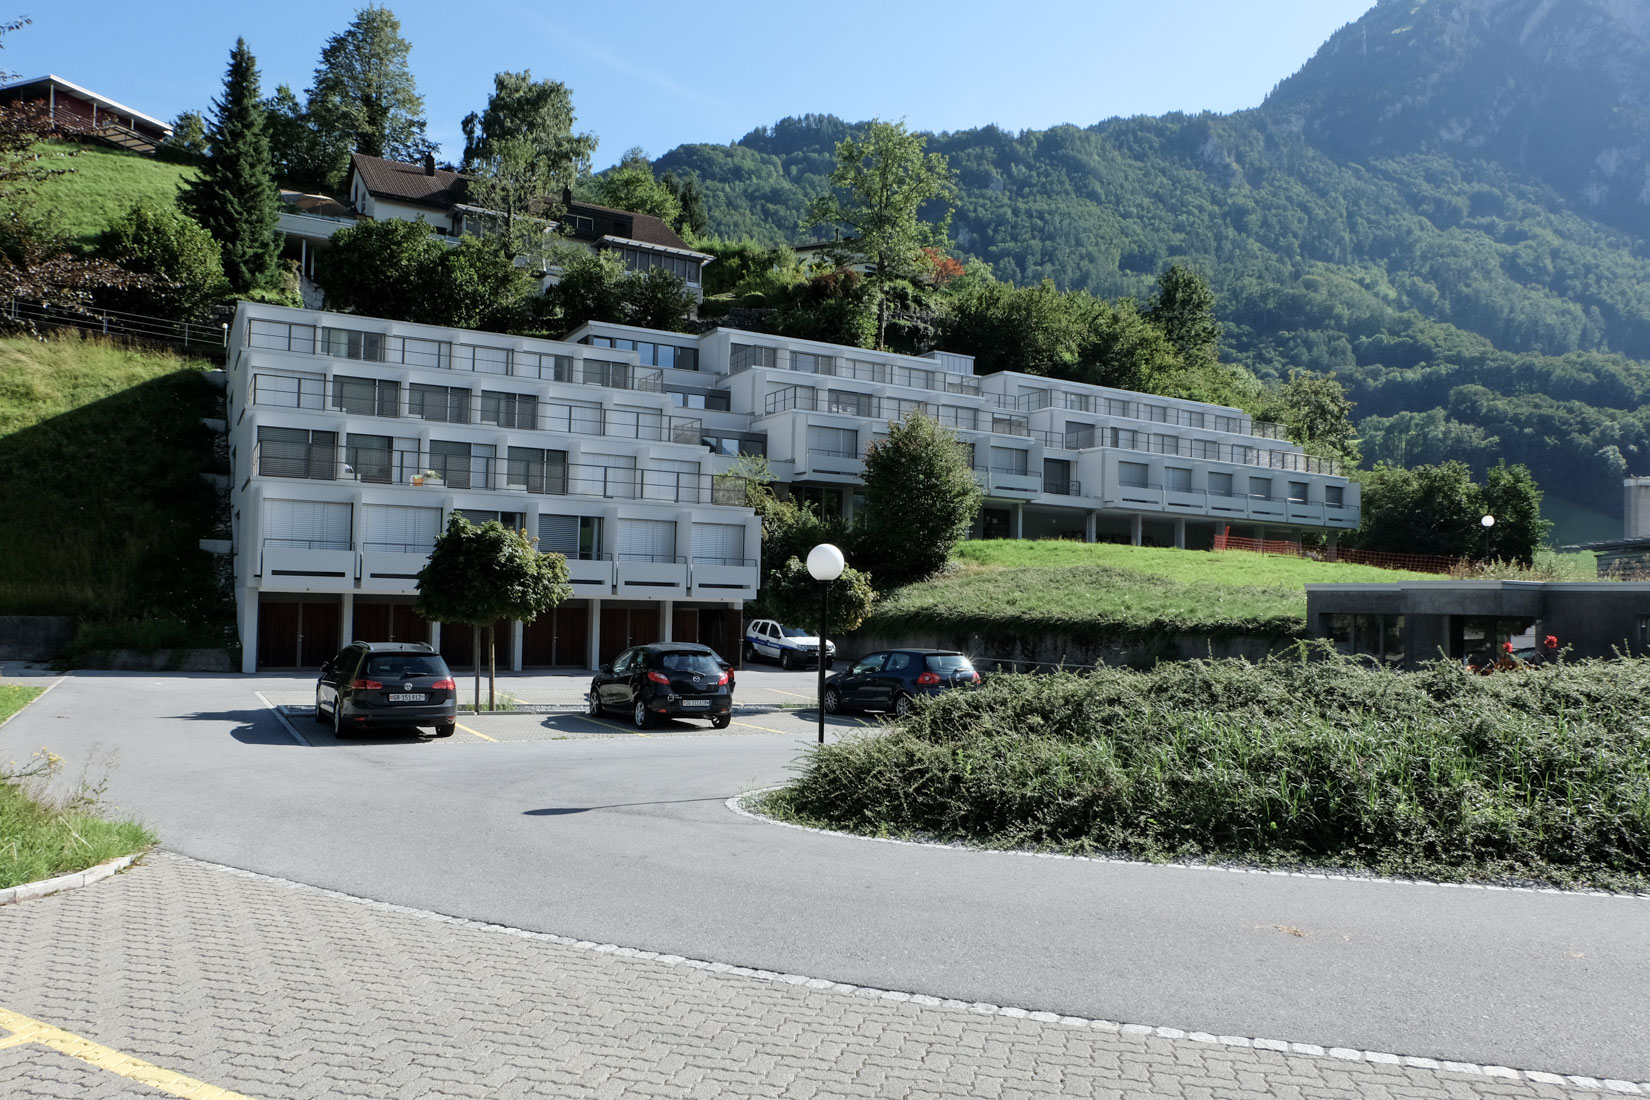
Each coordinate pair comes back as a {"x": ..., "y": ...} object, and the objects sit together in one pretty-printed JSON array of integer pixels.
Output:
[{"x": 1057, "y": 649}]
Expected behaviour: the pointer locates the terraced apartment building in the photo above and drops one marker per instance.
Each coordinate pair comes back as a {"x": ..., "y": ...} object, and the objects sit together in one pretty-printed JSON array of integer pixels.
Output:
[{"x": 352, "y": 440}]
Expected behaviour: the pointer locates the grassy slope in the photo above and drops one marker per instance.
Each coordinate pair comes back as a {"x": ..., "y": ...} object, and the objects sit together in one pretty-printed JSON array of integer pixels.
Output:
[
  {"x": 1098, "y": 589},
  {"x": 104, "y": 184},
  {"x": 102, "y": 505}
]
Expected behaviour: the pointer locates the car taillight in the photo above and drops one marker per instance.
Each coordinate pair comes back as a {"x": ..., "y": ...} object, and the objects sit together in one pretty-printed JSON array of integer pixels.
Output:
[
  {"x": 725, "y": 678},
  {"x": 973, "y": 676},
  {"x": 928, "y": 678},
  {"x": 659, "y": 678},
  {"x": 366, "y": 685},
  {"x": 444, "y": 685}
]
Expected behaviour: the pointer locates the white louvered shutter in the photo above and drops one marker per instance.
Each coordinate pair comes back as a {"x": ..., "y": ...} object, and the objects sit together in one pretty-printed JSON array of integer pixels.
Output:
[
  {"x": 647, "y": 540},
  {"x": 398, "y": 528},
  {"x": 718, "y": 543},
  {"x": 307, "y": 524},
  {"x": 559, "y": 535}
]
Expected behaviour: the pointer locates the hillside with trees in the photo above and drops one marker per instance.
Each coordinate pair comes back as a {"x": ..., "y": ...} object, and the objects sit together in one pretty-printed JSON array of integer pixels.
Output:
[{"x": 1478, "y": 301}]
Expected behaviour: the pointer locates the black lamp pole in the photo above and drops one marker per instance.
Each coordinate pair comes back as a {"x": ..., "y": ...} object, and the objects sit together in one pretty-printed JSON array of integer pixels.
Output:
[{"x": 824, "y": 643}]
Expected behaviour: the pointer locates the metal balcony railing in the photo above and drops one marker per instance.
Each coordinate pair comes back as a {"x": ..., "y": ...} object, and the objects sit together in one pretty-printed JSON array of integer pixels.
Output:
[
  {"x": 1128, "y": 439},
  {"x": 1062, "y": 487},
  {"x": 746, "y": 356}
]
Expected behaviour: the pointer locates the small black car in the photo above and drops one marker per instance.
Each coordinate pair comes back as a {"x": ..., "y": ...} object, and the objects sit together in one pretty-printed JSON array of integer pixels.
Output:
[
  {"x": 890, "y": 680},
  {"x": 375, "y": 684},
  {"x": 665, "y": 680}
]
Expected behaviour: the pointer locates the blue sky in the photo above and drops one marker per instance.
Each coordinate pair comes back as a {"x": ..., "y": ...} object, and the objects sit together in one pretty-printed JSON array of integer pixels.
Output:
[{"x": 658, "y": 74}]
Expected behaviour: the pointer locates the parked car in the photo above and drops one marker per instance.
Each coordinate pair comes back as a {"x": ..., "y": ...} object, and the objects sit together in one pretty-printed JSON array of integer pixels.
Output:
[
  {"x": 890, "y": 679},
  {"x": 790, "y": 646},
  {"x": 370, "y": 685},
  {"x": 665, "y": 680}
]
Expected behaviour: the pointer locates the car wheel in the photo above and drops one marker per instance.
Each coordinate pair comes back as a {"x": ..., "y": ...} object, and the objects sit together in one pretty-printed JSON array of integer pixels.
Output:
[
  {"x": 445, "y": 729},
  {"x": 321, "y": 715},
  {"x": 833, "y": 701},
  {"x": 902, "y": 706},
  {"x": 786, "y": 662},
  {"x": 339, "y": 730},
  {"x": 641, "y": 716},
  {"x": 720, "y": 721},
  {"x": 594, "y": 707},
  {"x": 750, "y": 654}
]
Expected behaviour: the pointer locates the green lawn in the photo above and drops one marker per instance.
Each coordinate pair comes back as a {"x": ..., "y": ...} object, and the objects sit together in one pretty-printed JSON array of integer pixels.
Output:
[
  {"x": 102, "y": 503},
  {"x": 1098, "y": 589},
  {"x": 14, "y": 697},
  {"x": 104, "y": 185}
]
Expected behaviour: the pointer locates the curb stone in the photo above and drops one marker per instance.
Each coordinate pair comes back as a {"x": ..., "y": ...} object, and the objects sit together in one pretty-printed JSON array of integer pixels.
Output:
[
  {"x": 1142, "y": 1031},
  {"x": 73, "y": 881}
]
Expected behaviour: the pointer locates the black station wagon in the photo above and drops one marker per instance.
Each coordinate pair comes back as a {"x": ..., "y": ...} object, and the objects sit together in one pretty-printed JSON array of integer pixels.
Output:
[{"x": 376, "y": 684}]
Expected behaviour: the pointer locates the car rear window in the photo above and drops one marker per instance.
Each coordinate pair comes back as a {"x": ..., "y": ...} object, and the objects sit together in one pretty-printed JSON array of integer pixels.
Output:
[
  {"x": 945, "y": 662},
  {"x": 688, "y": 662},
  {"x": 403, "y": 665}
]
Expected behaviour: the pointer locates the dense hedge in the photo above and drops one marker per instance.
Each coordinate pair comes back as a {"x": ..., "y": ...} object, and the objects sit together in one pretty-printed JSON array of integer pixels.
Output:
[{"x": 1538, "y": 775}]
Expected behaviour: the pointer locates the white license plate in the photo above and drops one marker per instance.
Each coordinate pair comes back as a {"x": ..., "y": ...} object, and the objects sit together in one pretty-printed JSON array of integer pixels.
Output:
[
  {"x": 404, "y": 697},
  {"x": 696, "y": 702}
]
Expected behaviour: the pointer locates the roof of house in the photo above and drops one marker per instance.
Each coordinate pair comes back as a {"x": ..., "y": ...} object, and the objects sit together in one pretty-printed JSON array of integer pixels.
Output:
[
  {"x": 410, "y": 183},
  {"x": 87, "y": 94}
]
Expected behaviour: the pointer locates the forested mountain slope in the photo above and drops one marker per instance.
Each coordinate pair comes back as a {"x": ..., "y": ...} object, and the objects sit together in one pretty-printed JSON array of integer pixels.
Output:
[{"x": 1390, "y": 213}]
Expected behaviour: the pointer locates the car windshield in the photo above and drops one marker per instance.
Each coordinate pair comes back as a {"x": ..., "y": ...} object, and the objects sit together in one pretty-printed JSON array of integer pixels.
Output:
[
  {"x": 689, "y": 662},
  {"x": 404, "y": 665},
  {"x": 946, "y": 662},
  {"x": 793, "y": 632}
]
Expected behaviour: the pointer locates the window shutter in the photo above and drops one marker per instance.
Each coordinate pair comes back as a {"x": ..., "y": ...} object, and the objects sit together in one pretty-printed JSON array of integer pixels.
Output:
[
  {"x": 718, "y": 543},
  {"x": 398, "y": 528},
  {"x": 559, "y": 535},
  {"x": 307, "y": 524},
  {"x": 647, "y": 540}
]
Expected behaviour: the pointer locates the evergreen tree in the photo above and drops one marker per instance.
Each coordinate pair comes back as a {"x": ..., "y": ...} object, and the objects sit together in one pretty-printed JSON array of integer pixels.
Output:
[
  {"x": 692, "y": 220},
  {"x": 235, "y": 197},
  {"x": 364, "y": 98},
  {"x": 1184, "y": 309}
]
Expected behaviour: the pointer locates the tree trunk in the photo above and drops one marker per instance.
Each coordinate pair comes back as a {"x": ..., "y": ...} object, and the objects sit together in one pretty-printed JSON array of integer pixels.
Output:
[
  {"x": 492, "y": 667},
  {"x": 476, "y": 652}
]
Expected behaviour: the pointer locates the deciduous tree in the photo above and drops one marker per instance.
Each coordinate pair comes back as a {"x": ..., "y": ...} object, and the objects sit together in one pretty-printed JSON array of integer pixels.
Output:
[
  {"x": 364, "y": 98},
  {"x": 538, "y": 112},
  {"x": 630, "y": 185},
  {"x": 479, "y": 575},
  {"x": 397, "y": 269},
  {"x": 920, "y": 500},
  {"x": 791, "y": 595},
  {"x": 879, "y": 189},
  {"x": 235, "y": 198},
  {"x": 164, "y": 242}
]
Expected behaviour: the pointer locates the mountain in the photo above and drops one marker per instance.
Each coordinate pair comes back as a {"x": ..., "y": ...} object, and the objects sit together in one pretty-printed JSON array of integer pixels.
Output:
[{"x": 1448, "y": 205}]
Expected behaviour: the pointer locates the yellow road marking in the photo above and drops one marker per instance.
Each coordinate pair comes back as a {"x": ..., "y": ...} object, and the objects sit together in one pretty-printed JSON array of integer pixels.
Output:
[
  {"x": 792, "y": 694},
  {"x": 610, "y": 725},
  {"x": 25, "y": 1030},
  {"x": 478, "y": 733},
  {"x": 764, "y": 729}
]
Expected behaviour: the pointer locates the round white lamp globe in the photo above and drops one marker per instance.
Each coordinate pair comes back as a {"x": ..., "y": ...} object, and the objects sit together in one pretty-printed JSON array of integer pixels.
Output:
[
  {"x": 825, "y": 562},
  {"x": 1487, "y": 521}
]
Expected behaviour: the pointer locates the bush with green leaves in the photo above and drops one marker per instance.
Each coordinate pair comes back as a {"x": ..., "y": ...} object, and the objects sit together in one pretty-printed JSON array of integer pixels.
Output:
[
  {"x": 920, "y": 499},
  {"x": 792, "y": 596},
  {"x": 397, "y": 269},
  {"x": 164, "y": 242},
  {"x": 1537, "y": 775}
]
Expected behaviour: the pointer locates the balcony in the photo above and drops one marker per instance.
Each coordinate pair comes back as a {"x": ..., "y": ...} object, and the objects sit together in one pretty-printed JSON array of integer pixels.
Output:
[
  {"x": 392, "y": 566},
  {"x": 1061, "y": 487},
  {"x": 307, "y": 565},
  {"x": 1015, "y": 483},
  {"x": 725, "y": 578},
  {"x": 1155, "y": 497},
  {"x": 1130, "y": 439},
  {"x": 591, "y": 576},
  {"x": 833, "y": 465},
  {"x": 746, "y": 356},
  {"x": 651, "y": 576}
]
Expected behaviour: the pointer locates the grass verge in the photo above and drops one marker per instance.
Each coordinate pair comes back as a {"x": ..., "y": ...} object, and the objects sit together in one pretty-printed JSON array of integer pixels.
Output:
[
  {"x": 42, "y": 836},
  {"x": 14, "y": 697},
  {"x": 1541, "y": 776},
  {"x": 102, "y": 185}
]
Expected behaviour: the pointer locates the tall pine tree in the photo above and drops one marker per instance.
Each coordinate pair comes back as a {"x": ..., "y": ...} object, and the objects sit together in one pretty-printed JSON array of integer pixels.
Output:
[{"x": 235, "y": 197}]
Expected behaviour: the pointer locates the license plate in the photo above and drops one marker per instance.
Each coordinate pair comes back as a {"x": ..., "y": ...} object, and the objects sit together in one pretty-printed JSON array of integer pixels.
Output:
[
  {"x": 696, "y": 702},
  {"x": 405, "y": 697}
]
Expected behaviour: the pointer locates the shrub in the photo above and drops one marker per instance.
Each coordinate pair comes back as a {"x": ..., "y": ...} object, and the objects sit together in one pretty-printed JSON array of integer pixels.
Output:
[{"x": 163, "y": 241}]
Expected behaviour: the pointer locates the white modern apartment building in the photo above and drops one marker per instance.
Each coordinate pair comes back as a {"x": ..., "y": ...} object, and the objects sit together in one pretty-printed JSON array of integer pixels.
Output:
[{"x": 353, "y": 439}]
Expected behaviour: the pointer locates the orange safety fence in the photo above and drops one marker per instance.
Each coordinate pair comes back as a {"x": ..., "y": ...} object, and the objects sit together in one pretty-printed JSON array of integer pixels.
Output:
[{"x": 1416, "y": 563}]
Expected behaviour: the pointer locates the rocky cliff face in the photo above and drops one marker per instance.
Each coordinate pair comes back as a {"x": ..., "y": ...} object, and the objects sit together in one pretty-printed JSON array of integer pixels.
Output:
[{"x": 1558, "y": 90}]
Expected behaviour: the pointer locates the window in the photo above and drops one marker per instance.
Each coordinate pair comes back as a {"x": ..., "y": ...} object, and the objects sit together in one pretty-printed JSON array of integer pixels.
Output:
[
  {"x": 1131, "y": 474},
  {"x": 577, "y": 538},
  {"x": 850, "y": 404},
  {"x": 1203, "y": 448},
  {"x": 279, "y": 336},
  {"x": 551, "y": 368},
  {"x": 809, "y": 363},
  {"x": 1334, "y": 495},
  {"x": 446, "y": 404},
  {"x": 297, "y": 452},
  {"x": 420, "y": 353},
  {"x": 1166, "y": 444},
  {"x": 306, "y": 524},
  {"x": 1156, "y": 413},
  {"x": 573, "y": 417},
  {"x": 398, "y": 529},
  {"x": 718, "y": 544},
  {"x": 366, "y": 396},
  {"x": 351, "y": 344},
  {"x": 611, "y": 476},
  {"x": 1378, "y": 636},
  {"x": 1297, "y": 492},
  {"x": 483, "y": 360},
  {"x": 1177, "y": 479},
  {"x": 1260, "y": 488},
  {"x": 1127, "y": 439},
  {"x": 635, "y": 424},
  {"x": 1114, "y": 407},
  {"x": 292, "y": 391},
  {"x": 672, "y": 479},
  {"x": 368, "y": 457},
  {"x": 509, "y": 410},
  {"x": 1008, "y": 460},
  {"x": 535, "y": 471},
  {"x": 746, "y": 356},
  {"x": 833, "y": 442},
  {"x": 462, "y": 465},
  {"x": 1220, "y": 485},
  {"x": 647, "y": 540}
]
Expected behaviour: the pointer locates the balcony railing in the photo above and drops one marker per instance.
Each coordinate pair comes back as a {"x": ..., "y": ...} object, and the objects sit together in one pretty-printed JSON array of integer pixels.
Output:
[
  {"x": 1083, "y": 439},
  {"x": 1062, "y": 487},
  {"x": 746, "y": 356},
  {"x": 1131, "y": 409},
  {"x": 889, "y": 409},
  {"x": 379, "y": 347},
  {"x": 427, "y": 469}
]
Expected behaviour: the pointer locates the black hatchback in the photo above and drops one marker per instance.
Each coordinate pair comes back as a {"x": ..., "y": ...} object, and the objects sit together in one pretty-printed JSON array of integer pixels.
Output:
[
  {"x": 665, "y": 680},
  {"x": 889, "y": 680},
  {"x": 376, "y": 684}
]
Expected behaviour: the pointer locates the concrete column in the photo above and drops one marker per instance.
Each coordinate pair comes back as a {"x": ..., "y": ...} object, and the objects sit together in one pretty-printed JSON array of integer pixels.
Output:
[
  {"x": 1019, "y": 521},
  {"x": 517, "y": 629},
  {"x": 249, "y": 629},
  {"x": 1332, "y": 546},
  {"x": 1137, "y": 524},
  {"x": 1091, "y": 527},
  {"x": 1180, "y": 534},
  {"x": 667, "y": 615},
  {"x": 346, "y": 618},
  {"x": 595, "y": 633},
  {"x": 435, "y": 637}
]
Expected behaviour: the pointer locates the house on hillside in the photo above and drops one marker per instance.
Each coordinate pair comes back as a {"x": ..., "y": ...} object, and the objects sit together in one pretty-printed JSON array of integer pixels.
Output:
[
  {"x": 71, "y": 107},
  {"x": 377, "y": 188}
]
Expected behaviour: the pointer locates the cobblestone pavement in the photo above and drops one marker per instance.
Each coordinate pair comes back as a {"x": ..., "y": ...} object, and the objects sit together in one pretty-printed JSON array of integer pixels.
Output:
[{"x": 272, "y": 991}]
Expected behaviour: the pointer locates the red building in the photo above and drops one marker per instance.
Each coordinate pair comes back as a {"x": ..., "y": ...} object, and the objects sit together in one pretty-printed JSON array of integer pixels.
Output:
[{"x": 72, "y": 107}]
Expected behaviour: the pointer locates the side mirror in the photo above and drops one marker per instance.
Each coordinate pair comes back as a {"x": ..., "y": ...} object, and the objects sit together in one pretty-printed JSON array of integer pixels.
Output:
[{"x": 605, "y": 669}]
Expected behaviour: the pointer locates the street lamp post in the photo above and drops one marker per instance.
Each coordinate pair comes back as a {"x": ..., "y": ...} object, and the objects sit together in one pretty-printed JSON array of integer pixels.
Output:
[
  {"x": 825, "y": 564},
  {"x": 1487, "y": 522}
]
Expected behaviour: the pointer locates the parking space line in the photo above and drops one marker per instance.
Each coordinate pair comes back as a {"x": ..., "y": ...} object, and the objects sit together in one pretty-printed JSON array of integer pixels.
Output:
[
  {"x": 478, "y": 733},
  {"x": 764, "y": 729},
  {"x": 24, "y": 1031},
  {"x": 792, "y": 694},
  {"x": 609, "y": 725},
  {"x": 280, "y": 716}
]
